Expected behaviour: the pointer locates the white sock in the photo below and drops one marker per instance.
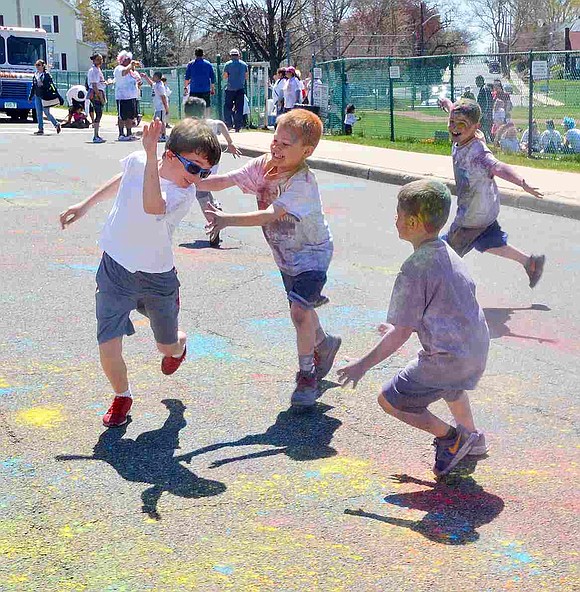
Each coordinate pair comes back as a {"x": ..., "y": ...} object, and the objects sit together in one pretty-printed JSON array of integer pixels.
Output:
[
  {"x": 179, "y": 355},
  {"x": 127, "y": 393}
]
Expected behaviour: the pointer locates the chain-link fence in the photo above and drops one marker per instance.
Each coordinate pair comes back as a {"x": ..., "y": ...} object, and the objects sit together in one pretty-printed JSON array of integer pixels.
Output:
[
  {"x": 397, "y": 98},
  {"x": 256, "y": 90}
]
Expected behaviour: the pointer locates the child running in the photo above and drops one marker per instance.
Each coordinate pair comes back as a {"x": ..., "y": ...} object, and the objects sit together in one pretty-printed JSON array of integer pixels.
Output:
[
  {"x": 196, "y": 108},
  {"x": 291, "y": 216},
  {"x": 137, "y": 269},
  {"x": 433, "y": 296},
  {"x": 475, "y": 225}
]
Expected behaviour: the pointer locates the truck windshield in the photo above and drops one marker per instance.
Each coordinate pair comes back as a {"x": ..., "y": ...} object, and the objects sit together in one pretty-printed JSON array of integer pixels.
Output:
[
  {"x": 2, "y": 50},
  {"x": 24, "y": 51}
]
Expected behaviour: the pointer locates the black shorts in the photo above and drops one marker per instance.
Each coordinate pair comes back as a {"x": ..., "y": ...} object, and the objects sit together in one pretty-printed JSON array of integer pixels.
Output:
[
  {"x": 206, "y": 96},
  {"x": 304, "y": 289},
  {"x": 97, "y": 106},
  {"x": 127, "y": 109}
]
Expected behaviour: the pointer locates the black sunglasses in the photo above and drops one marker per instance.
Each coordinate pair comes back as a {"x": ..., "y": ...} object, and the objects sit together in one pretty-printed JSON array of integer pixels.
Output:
[{"x": 192, "y": 168}]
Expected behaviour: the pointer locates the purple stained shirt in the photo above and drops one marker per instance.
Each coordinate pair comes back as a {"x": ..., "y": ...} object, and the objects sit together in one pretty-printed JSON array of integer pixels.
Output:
[
  {"x": 435, "y": 295},
  {"x": 477, "y": 195},
  {"x": 300, "y": 240}
]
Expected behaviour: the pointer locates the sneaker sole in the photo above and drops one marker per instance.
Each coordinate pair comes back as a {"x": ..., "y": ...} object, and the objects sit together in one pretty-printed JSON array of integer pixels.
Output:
[
  {"x": 461, "y": 453},
  {"x": 323, "y": 374},
  {"x": 116, "y": 425}
]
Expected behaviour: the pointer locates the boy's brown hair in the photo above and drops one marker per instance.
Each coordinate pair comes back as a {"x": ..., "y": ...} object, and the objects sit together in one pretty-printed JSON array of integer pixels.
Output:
[
  {"x": 305, "y": 124},
  {"x": 193, "y": 135},
  {"x": 429, "y": 201},
  {"x": 469, "y": 108}
]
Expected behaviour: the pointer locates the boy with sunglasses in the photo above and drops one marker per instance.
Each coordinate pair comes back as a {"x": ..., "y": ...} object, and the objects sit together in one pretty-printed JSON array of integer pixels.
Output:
[{"x": 137, "y": 270}]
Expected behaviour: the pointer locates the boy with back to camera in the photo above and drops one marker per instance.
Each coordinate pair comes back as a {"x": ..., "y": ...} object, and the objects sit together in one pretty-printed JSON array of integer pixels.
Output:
[
  {"x": 474, "y": 166},
  {"x": 292, "y": 220},
  {"x": 160, "y": 101},
  {"x": 137, "y": 270},
  {"x": 433, "y": 296}
]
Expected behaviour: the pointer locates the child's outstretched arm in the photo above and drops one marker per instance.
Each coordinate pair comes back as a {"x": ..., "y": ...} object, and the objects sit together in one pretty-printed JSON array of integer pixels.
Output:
[
  {"x": 508, "y": 173},
  {"x": 214, "y": 183},
  {"x": 393, "y": 338},
  {"x": 103, "y": 193},
  {"x": 153, "y": 202},
  {"x": 219, "y": 220},
  {"x": 232, "y": 148}
]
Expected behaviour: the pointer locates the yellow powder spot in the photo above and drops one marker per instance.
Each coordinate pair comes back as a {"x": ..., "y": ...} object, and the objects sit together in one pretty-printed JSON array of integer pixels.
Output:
[
  {"x": 40, "y": 417},
  {"x": 17, "y": 579},
  {"x": 3, "y": 383},
  {"x": 66, "y": 532}
]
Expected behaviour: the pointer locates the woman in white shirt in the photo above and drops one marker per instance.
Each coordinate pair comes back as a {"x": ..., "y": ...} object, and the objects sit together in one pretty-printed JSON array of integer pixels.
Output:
[{"x": 292, "y": 92}]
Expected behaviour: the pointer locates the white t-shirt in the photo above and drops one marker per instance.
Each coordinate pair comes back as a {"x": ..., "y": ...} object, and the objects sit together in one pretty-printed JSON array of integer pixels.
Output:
[
  {"x": 292, "y": 85},
  {"x": 95, "y": 76},
  {"x": 573, "y": 137},
  {"x": 125, "y": 86},
  {"x": 136, "y": 240},
  {"x": 158, "y": 92},
  {"x": 350, "y": 119}
]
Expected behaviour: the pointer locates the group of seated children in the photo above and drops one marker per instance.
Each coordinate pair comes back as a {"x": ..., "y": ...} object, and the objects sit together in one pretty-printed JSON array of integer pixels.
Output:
[{"x": 550, "y": 141}]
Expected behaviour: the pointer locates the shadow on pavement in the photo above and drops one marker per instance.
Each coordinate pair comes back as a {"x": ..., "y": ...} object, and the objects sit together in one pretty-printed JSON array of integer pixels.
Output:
[
  {"x": 497, "y": 319},
  {"x": 149, "y": 459},
  {"x": 300, "y": 436},
  {"x": 455, "y": 508},
  {"x": 204, "y": 244}
]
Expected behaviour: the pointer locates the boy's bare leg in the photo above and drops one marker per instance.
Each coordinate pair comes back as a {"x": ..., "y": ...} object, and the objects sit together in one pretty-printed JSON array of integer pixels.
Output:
[
  {"x": 425, "y": 421},
  {"x": 306, "y": 323},
  {"x": 461, "y": 411},
  {"x": 174, "y": 349},
  {"x": 113, "y": 365},
  {"x": 509, "y": 252}
]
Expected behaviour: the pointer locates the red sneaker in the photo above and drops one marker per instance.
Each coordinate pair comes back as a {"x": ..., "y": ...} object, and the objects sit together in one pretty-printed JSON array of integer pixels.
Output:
[
  {"x": 169, "y": 364},
  {"x": 117, "y": 414}
]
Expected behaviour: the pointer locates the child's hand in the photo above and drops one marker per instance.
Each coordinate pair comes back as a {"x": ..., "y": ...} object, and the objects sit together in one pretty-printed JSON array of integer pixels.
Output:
[
  {"x": 72, "y": 214},
  {"x": 234, "y": 150},
  {"x": 353, "y": 372},
  {"x": 216, "y": 221},
  {"x": 151, "y": 135},
  {"x": 532, "y": 190}
]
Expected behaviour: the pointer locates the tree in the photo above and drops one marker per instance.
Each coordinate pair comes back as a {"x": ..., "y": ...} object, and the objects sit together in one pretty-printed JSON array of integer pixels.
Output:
[{"x": 92, "y": 25}]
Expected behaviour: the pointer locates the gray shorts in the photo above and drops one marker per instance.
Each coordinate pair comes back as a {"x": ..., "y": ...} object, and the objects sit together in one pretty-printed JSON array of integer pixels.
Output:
[
  {"x": 405, "y": 394},
  {"x": 161, "y": 115},
  {"x": 154, "y": 295}
]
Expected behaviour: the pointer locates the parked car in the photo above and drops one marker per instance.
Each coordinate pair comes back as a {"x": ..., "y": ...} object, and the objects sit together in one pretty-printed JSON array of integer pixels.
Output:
[{"x": 494, "y": 67}]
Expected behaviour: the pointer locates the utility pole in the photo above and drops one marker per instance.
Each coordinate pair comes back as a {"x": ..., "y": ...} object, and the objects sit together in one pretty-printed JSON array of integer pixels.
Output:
[{"x": 421, "y": 29}]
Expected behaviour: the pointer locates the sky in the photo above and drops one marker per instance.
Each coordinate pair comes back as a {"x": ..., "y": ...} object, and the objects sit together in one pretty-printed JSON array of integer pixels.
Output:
[{"x": 461, "y": 14}]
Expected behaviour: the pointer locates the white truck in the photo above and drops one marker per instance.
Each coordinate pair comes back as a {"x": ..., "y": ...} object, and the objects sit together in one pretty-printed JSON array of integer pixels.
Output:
[{"x": 19, "y": 49}]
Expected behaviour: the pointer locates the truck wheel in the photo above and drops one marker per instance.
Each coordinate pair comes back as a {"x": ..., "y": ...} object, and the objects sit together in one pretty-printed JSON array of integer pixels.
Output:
[{"x": 23, "y": 114}]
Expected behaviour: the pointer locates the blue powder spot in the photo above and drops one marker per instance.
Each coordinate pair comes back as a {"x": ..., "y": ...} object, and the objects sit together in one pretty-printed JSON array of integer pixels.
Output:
[
  {"x": 269, "y": 323},
  {"x": 226, "y": 570},
  {"x": 37, "y": 168},
  {"x": 513, "y": 553},
  {"x": 353, "y": 317},
  {"x": 15, "y": 467},
  {"x": 10, "y": 195},
  {"x": 208, "y": 346},
  {"x": 339, "y": 186},
  {"x": 238, "y": 268},
  {"x": 75, "y": 267},
  {"x": 312, "y": 474},
  {"x": 5, "y": 392}
]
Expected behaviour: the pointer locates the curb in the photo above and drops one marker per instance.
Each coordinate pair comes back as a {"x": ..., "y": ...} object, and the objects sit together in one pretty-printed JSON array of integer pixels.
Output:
[{"x": 510, "y": 198}]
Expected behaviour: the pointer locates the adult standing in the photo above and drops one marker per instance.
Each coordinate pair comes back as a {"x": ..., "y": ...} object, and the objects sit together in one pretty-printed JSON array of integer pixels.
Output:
[
  {"x": 200, "y": 78},
  {"x": 292, "y": 90},
  {"x": 278, "y": 91},
  {"x": 126, "y": 94},
  {"x": 235, "y": 74},
  {"x": 97, "y": 87},
  {"x": 485, "y": 101},
  {"x": 500, "y": 94},
  {"x": 43, "y": 89}
]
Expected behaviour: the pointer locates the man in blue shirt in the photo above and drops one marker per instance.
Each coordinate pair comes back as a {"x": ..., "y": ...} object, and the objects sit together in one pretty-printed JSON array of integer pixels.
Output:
[
  {"x": 200, "y": 78},
  {"x": 235, "y": 74}
]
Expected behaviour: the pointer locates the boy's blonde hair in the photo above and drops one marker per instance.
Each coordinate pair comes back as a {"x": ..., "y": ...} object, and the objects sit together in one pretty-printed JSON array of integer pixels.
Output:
[
  {"x": 305, "y": 124},
  {"x": 193, "y": 135},
  {"x": 469, "y": 108},
  {"x": 430, "y": 201}
]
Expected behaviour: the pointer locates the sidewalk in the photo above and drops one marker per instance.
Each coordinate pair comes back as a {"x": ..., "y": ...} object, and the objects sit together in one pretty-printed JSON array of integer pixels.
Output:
[{"x": 561, "y": 189}]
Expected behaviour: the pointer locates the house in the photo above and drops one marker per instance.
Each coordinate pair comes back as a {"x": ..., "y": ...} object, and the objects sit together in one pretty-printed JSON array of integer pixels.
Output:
[{"x": 61, "y": 21}]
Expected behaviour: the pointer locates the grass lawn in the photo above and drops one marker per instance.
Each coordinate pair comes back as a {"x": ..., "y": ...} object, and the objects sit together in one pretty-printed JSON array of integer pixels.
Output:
[{"x": 569, "y": 163}]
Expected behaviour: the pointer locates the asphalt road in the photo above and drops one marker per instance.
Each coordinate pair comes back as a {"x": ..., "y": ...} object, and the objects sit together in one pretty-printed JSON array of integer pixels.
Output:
[{"x": 215, "y": 485}]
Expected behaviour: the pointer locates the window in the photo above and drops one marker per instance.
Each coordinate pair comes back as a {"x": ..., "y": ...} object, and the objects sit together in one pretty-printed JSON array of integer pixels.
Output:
[
  {"x": 1, "y": 20},
  {"x": 49, "y": 23},
  {"x": 2, "y": 50},
  {"x": 63, "y": 62},
  {"x": 24, "y": 51}
]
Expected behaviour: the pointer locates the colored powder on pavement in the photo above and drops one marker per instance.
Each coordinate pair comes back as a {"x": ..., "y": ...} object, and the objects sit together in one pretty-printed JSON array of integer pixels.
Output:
[
  {"x": 208, "y": 346},
  {"x": 40, "y": 417}
]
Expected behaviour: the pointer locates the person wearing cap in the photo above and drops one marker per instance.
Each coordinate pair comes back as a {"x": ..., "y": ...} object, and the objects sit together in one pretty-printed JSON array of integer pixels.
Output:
[
  {"x": 200, "y": 78},
  {"x": 97, "y": 85},
  {"x": 235, "y": 74},
  {"x": 571, "y": 137},
  {"x": 126, "y": 93},
  {"x": 292, "y": 90}
]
